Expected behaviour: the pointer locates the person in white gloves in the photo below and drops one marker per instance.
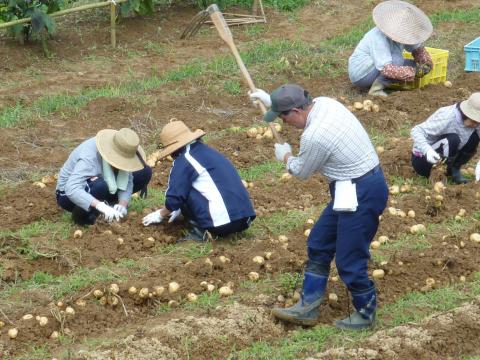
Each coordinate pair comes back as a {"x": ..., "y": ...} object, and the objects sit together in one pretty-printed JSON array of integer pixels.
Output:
[
  {"x": 335, "y": 144},
  {"x": 203, "y": 186},
  {"x": 100, "y": 176},
  {"x": 450, "y": 134}
]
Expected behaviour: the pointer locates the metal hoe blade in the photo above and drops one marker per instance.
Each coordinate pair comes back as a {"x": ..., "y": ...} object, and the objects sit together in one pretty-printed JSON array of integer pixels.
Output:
[{"x": 195, "y": 24}]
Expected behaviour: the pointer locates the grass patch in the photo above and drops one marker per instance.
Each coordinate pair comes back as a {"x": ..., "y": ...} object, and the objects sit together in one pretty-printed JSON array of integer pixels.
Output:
[
  {"x": 155, "y": 199},
  {"x": 257, "y": 172},
  {"x": 205, "y": 301},
  {"x": 190, "y": 250}
]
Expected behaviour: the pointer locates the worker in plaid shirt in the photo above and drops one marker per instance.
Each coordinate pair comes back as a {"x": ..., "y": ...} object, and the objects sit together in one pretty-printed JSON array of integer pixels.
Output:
[
  {"x": 451, "y": 134},
  {"x": 335, "y": 144}
]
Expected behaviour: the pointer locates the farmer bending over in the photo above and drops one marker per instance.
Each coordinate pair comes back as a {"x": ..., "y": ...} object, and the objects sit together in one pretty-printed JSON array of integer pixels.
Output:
[
  {"x": 450, "y": 133},
  {"x": 102, "y": 171},
  {"x": 203, "y": 186},
  {"x": 335, "y": 144},
  {"x": 378, "y": 62}
]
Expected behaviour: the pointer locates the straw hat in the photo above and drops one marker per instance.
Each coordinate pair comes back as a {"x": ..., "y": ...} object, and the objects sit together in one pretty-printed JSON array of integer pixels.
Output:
[
  {"x": 119, "y": 148},
  {"x": 402, "y": 22},
  {"x": 471, "y": 107},
  {"x": 175, "y": 135}
]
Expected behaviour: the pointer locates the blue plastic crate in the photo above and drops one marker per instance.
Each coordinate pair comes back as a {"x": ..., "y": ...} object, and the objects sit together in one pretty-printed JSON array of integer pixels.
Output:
[{"x": 472, "y": 55}]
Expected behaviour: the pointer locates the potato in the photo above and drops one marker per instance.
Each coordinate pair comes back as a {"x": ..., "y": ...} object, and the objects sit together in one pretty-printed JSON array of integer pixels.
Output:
[
  {"x": 375, "y": 108},
  {"x": 169, "y": 158},
  {"x": 278, "y": 127},
  {"x": 223, "y": 259},
  {"x": 252, "y": 132},
  {"x": 378, "y": 274},
  {"x": 281, "y": 298},
  {"x": 103, "y": 300},
  {"x": 367, "y": 103},
  {"x": 70, "y": 311},
  {"x": 114, "y": 288},
  {"x": 173, "y": 303},
  {"x": 307, "y": 232},
  {"x": 357, "y": 105},
  {"x": 81, "y": 303},
  {"x": 332, "y": 298},
  {"x": 12, "y": 333},
  {"x": 98, "y": 293},
  {"x": 286, "y": 176},
  {"x": 143, "y": 293},
  {"x": 39, "y": 184},
  {"x": 296, "y": 296},
  {"x": 192, "y": 297},
  {"x": 158, "y": 290},
  {"x": 225, "y": 291},
  {"x": 418, "y": 229},
  {"x": 462, "y": 212},
  {"x": 268, "y": 255},
  {"x": 310, "y": 221},
  {"x": 259, "y": 137},
  {"x": 375, "y": 245},
  {"x": 77, "y": 234},
  {"x": 462, "y": 279},
  {"x": 43, "y": 321},
  {"x": 260, "y": 130},
  {"x": 430, "y": 282},
  {"x": 462, "y": 244},
  {"x": 282, "y": 238},
  {"x": 210, "y": 287},
  {"x": 439, "y": 198},
  {"x": 401, "y": 213},
  {"x": 2, "y": 324},
  {"x": 380, "y": 149},
  {"x": 253, "y": 276},
  {"x": 268, "y": 134},
  {"x": 447, "y": 84},
  {"x": 383, "y": 239},
  {"x": 120, "y": 241},
  {"x": 54, "y": 335},
  {"x": 173, "y": 287},
  {"x": 334, "y": 278},
  {"x": 475, "y": 237},
  {"x": 258, "y": 259},
  {"x": 411, "y": 214},
  {"x": 27, "y": 317},
  {"x": 392, "y": 211},
  {"x": 394, "y": 189},
  {"x": 209, "y": 262},
  {"x": 405, "y": 188},
  {"x": 438, "y": 187}
]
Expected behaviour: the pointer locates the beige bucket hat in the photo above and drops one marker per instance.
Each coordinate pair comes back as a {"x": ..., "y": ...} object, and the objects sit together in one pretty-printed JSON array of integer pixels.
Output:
[
  {"x": 119, "y": 149},
  {"x": 175, "y": 135},
  {"x": 402, "y": 22},
  {"x": 471, "y": 107}
]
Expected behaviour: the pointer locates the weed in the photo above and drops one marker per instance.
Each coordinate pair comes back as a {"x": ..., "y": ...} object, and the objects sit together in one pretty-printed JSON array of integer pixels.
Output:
[
  {"x": 232, "y": 87},
  {"x": 155, "y": 199},
  {"x": 205, "y": 301}
]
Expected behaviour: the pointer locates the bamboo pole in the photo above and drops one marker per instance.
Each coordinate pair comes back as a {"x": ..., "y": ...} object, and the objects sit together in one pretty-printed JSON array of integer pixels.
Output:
[
  {"x": 113, "y": 16},
  {"x": 61, "y": 13}
]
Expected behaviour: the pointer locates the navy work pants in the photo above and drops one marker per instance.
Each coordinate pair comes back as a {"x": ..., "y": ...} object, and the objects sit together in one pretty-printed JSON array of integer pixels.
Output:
[{"x": 347, "y": 235}]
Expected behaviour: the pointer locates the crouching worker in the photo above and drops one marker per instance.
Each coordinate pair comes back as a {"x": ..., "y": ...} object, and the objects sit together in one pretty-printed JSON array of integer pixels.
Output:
[
  {"x": 100, "y": 176},
  {"x": 451, "y": 134},
  {"x": 335, "y": 144},
  {"x": 203, "y": 186},
  {"x": 377, "y": 62}
]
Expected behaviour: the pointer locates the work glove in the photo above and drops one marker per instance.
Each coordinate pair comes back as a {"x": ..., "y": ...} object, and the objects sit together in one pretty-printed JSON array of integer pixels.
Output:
[
  {"x": 174, "y": 215},
  {"x": 121, "y": 209},
  {"x": 152, "y": 218},
  {"x": 261, "y": 95},
  {"x": 281, "y": 150},
  {"x": 109, "y": 212},
  {"x": 422, "y": 70},
  {"x": 432, "y": 156},
  {"x": 477, "y": 172}
]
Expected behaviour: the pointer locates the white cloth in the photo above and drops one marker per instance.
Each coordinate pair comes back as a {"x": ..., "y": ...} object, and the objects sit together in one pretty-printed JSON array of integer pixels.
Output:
[
  {"x": 374, "y": 51},
  {"x": 333, "y": 143},
  {"x": 121, "y": 209},
  {"x": 261, "y": 95},
  {"x": 281, "y": 150},
  {"x": 152, "y": 218},
  {"x": 345, "y": 196},
  {"x": 477, "y": 172},
  {"x": 446, "y": 120},
  {"x": 175, "y": 214}
]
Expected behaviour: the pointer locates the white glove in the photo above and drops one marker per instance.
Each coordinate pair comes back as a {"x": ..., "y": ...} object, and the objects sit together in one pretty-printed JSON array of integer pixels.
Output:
[
  {"x": 175, "y": 214},
  {"x": 152, "y": 218},
  {"x": 261, "y": 95},
  {"x": 281, "y": 150},
  {"x": 432, "y": 156},
  {"x": 121, "y": 209},
  {"x": 477, "y": 172},
  {"x": 109, "y": 212}
]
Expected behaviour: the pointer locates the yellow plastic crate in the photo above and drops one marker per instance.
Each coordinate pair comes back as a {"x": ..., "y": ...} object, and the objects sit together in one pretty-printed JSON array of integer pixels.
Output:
[{"x": 438, "y": 73}]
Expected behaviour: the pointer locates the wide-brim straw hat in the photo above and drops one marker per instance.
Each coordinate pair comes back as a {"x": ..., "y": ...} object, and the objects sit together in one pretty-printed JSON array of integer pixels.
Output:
[
  {"x": 176, "y": 135},
  {"x": 119, "y": 149},
  {"x": 471, "y": 107},
  {"x": 402, "y": 22}
]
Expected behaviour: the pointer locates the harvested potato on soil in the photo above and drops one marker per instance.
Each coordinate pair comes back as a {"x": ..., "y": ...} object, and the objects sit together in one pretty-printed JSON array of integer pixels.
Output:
[
  {"x": 12, "y": 333},
  {"x": 475, "y": 237},
  {"x": 378, "y": 274},
  {"x": 192, "y": 297},
  {"x": 173, "y": 287},
  {"x": 258, "y": 260},
  {"x": 253, "y": 276},
  {"x": 225, "y": 291},
  {"x": 77, "y": 234}
]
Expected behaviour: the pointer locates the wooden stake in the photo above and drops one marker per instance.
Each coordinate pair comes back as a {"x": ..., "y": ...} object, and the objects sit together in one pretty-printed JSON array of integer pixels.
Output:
[{"x": 113, "y": 16}]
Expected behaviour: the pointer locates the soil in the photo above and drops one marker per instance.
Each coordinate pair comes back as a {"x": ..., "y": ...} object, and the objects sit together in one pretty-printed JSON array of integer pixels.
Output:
[{"x": 146, "y": 332}]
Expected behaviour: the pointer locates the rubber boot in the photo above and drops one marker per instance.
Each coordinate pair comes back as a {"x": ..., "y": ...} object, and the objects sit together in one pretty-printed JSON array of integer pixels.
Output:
[
  {"x": 306, "y": 310},
  {"x": 377, "y": 89},
  {"x": 365, "y": 304},
  {"x": 196, "y": 234},
  {"x": 82, "y": 217},
  {"x": 454, "y": 164}
]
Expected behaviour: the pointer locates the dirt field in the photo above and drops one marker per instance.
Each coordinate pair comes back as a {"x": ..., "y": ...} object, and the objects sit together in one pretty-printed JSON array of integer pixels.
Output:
[{"x": 152, "y": 77}]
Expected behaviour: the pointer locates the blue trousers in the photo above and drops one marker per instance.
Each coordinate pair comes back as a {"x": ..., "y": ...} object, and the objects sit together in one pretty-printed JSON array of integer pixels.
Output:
[
  {"x": 347, "y": 235},
  {"x": 99, "y": 189}
]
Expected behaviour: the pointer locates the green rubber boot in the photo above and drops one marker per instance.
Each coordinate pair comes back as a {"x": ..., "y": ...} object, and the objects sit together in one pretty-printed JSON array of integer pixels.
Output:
[{"x": 364, "y": 318}]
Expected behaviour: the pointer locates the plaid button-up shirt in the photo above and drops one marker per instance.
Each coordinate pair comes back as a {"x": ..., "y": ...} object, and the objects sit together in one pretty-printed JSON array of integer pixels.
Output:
[
  {"x": 333, "y": 143},
  {"x": 446, "y": 120}
]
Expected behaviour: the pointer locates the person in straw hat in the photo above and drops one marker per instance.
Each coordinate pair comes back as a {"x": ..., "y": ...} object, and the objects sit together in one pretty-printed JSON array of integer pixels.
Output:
[
  {"x": 203, "y": 186},
  {"x": 377, "y": 62},
  {"x": 451, "y": 134},
  {"x": 335, "y": 144},
  {"x": 106, "y": 168}
]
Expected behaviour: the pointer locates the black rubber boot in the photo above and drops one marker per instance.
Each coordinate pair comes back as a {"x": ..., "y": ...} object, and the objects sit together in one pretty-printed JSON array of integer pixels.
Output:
[
  {"x": 306, "y": 311},
  {"x": 196, "y": 234},
  {"x": 454, "y": 163},
  {"x": 82, "y": 217},
  {"x": 364, "y": 318}
]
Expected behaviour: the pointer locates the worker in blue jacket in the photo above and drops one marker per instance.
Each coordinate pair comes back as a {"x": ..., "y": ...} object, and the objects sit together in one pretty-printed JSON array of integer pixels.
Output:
[{"x": 203, "y": 186}]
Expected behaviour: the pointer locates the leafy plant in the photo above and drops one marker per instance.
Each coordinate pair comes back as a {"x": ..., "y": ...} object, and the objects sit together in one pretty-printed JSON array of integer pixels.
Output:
[
  {"x": 140, "y": 7},
  {"x": 41, "y": 24}
]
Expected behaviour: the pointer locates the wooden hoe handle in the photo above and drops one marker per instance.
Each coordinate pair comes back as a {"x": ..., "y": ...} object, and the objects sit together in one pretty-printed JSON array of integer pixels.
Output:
[{"x": 225, "y": 33}]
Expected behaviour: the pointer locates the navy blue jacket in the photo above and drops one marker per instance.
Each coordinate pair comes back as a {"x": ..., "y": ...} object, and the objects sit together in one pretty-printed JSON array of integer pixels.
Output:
[{"x": 206, "y": 182}]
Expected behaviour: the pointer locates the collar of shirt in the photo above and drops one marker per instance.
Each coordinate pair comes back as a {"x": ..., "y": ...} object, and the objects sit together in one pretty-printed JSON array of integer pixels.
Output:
[{"x": 310, "y": 114}]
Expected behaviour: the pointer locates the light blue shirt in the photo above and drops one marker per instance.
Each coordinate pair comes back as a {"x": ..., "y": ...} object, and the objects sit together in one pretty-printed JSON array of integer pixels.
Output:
[
  {"x": 375, "y": 51},
  {"x": 84, "y": 163}
]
